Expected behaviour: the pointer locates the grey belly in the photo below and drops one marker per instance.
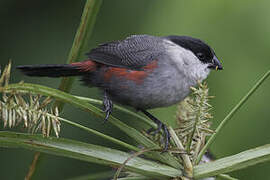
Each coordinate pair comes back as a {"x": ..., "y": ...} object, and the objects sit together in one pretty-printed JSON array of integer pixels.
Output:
[{"x": 159, "y": 89}]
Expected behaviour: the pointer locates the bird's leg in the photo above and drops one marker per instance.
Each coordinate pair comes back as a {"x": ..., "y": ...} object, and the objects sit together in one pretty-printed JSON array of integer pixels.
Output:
[
  {"x": 107, "y": 106},
  {"x": 154, "y": 131},
  {"x": 161, "y": 125}
]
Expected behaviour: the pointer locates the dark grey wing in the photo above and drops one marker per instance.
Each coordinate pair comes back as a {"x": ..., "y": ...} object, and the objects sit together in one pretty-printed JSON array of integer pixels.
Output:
[{"x": 133, "y": 52}]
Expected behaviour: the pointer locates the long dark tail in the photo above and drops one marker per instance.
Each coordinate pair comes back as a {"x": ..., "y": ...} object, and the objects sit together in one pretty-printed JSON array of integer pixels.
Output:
[{"x": 58, "y": 70}]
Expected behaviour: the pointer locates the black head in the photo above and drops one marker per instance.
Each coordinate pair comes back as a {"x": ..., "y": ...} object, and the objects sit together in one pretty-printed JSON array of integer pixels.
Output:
[{"x": 199, "y": 48}]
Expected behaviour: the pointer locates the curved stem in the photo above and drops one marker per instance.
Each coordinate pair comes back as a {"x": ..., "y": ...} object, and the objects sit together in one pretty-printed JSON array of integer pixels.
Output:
[
  {"x": 114, "y": 140},
  {"x": 99, "y": 102},
  {"x": 230, "y": 115},
  {"x": 80, "y": 42},
  {"x": 83, "y": 33}
]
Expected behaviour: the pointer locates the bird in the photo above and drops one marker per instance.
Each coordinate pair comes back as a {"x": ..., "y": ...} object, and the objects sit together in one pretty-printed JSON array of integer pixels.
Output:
[{"x": 140, "y": 71}]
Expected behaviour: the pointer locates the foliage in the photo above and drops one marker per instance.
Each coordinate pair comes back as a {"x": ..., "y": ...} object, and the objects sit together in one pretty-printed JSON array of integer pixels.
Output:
[
  {"x": 30, "y": 110},
  {"x": 194, "y": 120},
  {"x": 193, "y": 128},
  {"x": 29, "y": 104}
]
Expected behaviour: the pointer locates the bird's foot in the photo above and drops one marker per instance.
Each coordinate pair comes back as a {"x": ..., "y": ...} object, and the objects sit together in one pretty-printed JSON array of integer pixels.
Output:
[
  {"x": 154, "y": 131},
  {"x": 161, "y": 126},
  {"x": 107, "y": 106}
]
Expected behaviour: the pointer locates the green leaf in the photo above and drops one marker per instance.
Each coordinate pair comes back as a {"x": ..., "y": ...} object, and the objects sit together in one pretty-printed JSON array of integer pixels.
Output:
[
  {"x": 225, "y": 177},
  {"x": 87, "y": 152},
  {"x": 81, "y": 41},
  {"x": 135, "y": 178},
  {"x": 97, "y": 133},
  {"x": 109, "y": 175},
  {"x": 138, "y": 116},
  {"x": 95, "y": 176},
  {"x": 230, "y": 115},
  {"x": 82, "y": 104},
  {"x": 234, "y": 162}
]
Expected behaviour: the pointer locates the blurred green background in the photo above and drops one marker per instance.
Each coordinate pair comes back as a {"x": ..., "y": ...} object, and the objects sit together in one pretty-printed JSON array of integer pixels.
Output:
[{"x": 35, "y": 32}]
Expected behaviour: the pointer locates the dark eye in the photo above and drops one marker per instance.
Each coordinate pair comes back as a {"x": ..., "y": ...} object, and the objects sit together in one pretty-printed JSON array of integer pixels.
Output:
[{"x": 201, "y": 56}]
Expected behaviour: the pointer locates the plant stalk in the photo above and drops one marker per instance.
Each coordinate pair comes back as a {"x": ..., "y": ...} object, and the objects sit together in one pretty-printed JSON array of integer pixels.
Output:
[
  {"x": 230, "y": 115},
  {"x": 80, "y": 42},
  {"x": 188, "y": 167},
  {"x": 83, "y": 33}
]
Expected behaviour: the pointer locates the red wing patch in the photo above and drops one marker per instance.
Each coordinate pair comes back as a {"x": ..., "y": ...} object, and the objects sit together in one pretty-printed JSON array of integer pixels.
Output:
[
  {"x": 87, "y": 65},
  {"x": 133, "y": 75},
  {"x": 151, "y": 66}
]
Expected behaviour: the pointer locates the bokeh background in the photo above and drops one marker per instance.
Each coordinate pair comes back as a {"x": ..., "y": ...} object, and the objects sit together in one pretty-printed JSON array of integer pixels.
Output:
[{"x": 33, "y": 32}]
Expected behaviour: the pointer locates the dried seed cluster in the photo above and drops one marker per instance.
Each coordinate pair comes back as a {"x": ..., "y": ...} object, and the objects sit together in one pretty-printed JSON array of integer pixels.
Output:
[
  {"x": 194, "y": 120},
  {"x": 33, "y": 111}
]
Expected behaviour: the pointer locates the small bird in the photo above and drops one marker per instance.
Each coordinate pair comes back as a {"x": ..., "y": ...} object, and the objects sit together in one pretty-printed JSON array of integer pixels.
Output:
[{"x": 141, "y": 71}]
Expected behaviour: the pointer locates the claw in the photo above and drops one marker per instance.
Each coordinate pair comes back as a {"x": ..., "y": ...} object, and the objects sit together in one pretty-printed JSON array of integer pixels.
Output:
[
  {"x": 107, "y": 106},
  {"x": 166, "y": 136},
  {"x": 154, "y": 131}
]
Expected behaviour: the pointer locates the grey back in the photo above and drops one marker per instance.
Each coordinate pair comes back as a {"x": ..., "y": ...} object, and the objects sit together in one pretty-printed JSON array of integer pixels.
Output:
[{"x": 133, "y": 52}]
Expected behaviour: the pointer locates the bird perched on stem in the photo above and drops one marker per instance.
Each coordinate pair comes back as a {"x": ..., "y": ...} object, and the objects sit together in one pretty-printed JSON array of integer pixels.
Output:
[{"x": 141, "y": 71}]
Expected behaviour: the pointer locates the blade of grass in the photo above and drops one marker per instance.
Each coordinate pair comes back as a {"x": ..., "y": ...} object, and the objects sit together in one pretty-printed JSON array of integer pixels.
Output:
[
  {"x": 33, "y": 166},
  {"x": 95, "y": 176},
  {"x": 109, "y": 175},
  {"x": 136, "y": 178},
  {"x": 188, "y": 168},
  {"x": 80, "y": 42},
  {"x": 114, "y": 140},
  {"x": 226, "y": 177},
  {"x": 234, "y": 162},
  {"x": 82, "y": 36},
  {"x": 99, "y": 102},
  {"x": 87, "y": 152},
  {"x": 230, "y": 115},
  {"x": 68, "y": 98}
]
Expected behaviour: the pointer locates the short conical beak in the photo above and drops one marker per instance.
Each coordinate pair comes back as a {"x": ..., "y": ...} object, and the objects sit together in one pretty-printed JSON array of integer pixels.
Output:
[{"x": 215, "y": 64}]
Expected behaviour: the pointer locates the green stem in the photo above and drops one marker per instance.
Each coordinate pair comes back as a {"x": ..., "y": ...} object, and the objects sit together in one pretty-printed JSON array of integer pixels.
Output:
[
  {"x": 232, "y": 163},
  {"x": 116, "y": 141},
  {"x": 136, "y": 178},
  {"x": 226, "y": 177},
  {"x": 197, "y": 119},
  {"x": 85, "y": 106},
  {"x": 186, "y": 160},
  {"x": 230, "y": 115},
  {"x": 98, "y": 102},
  {"x": 80, "y": 42},
  {"x": 94, "y": 176},
  {"x": 82, "y": 36},
  {"x": 88, "y": 153}
]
